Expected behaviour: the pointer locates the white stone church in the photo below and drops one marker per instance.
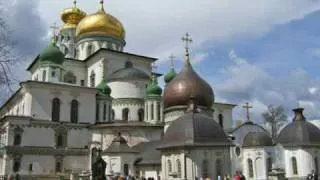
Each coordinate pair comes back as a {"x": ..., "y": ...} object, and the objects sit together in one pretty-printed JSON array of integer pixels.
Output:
[{"x": 85, "y": 93}]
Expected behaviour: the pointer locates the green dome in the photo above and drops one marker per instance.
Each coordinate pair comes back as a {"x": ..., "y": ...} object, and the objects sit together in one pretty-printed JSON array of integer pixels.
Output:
[
  {"x": 168, "y": 77},
  {"x": 52, "y": 54},
  {"x": 104, "y": 88},
  {"x": 153, "y": 89}
]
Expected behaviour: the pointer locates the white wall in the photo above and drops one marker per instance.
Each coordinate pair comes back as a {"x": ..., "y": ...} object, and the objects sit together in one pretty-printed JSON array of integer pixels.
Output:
[{"x": 128, "y": 89}]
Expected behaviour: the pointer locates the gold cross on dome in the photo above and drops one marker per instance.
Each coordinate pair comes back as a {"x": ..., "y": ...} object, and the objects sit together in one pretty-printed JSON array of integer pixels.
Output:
[
  {"x": 101, "y": 2},
  {"x": 247, "y": 107},
  {"x": 172, "y": 57},
  {"x": 75, "y": 3}
]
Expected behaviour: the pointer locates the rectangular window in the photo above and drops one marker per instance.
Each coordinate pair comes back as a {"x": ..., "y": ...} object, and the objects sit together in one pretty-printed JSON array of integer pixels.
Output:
[
  {"x": 82, "y": 82},
  {"x": 30, "y": 167},
  {"x": 58, "y": 167},
  {"x": 16, "y": 165},
  {"x": 17, "y": 140}
]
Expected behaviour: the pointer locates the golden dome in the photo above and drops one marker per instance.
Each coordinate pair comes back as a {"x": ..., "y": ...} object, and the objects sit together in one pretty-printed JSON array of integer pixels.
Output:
[
  {"x": 72, "y": 16},
  {"x": 100, "y": 24}
]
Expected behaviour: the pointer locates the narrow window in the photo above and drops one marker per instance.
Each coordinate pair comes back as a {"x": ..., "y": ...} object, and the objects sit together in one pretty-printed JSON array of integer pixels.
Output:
[
  {"x": 58, "y": 167},
  {"x": 178, "y": 168},
  {"x": 16, "y": 165},
  {"x": 159, "y": 111},
  {"x": 74, "y": 111},
  {"x": 44, "y": 74},
  {"x": 97, "y": 111},
  {"x": 269, "y": 164},
  {"x": 169, "y": 166},
  {"x": 53, "y": 73},
  {"x": 125, "y": 114},
  {"x": 17, "y": 139},
  {"x": 141, "y": 115},
  {"x": 126, "y": 169},
  {"x": 112, "y": 115},
  {"x": 104, "y": 111},
  {"x": 82, "y": 82},
  {"x": 30, "y": 167},
  {"x": 219, "y": 167},
  {"x": 205, "y": 168},
  {"x": 294, "y": 165},
  {"x": 220, "y": 118},
  {"x": 92, "y": 79},
  {"x": 152, "y": 111},
  {"x": 60, "y": 140},
  {"x": 250, "y": 168},
  {"x": 55, "y": 116},
  {"x": 316, "y": 165}
]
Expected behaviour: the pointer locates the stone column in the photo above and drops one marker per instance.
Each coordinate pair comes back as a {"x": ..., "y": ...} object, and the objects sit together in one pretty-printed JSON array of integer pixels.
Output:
[
  {"x": 155, "y": 106},
  {"x": 149, "y": 110},
  {"x": 101, "y": 110},
  {"x": 145, "y": 110}
]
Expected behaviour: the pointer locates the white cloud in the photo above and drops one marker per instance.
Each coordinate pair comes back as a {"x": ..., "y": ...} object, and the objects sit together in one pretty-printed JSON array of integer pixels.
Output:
[
  {"x": 155, "y": 27},
  {"x": 245, "y": 82}
]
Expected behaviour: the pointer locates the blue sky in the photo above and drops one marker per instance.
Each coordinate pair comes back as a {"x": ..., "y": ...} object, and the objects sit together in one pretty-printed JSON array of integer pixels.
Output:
[{"x": 263, "y": 52}]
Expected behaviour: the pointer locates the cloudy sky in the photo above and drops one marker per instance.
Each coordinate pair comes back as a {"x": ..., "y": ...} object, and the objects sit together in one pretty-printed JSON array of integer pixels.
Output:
[{"x": 258, "y": 51}]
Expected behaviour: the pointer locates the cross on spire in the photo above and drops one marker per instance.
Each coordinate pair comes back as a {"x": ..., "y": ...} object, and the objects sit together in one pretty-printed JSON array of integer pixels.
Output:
[
  {"x": 247, "y": 107},
  {"x": 54, "y": 28},
  {"x": 101, "y": 2},
  {"x": 75, "y": 3},
  {"x": 172, "y": 57},
  {"x": 187, "y": 39},
  {"x": 153, "y": 71}
]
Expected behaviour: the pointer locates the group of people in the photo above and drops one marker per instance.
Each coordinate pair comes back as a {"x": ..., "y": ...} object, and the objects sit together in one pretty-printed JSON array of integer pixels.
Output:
[
  {"x": 239, "y": 176},
  {"x": 313, "y": 176}
]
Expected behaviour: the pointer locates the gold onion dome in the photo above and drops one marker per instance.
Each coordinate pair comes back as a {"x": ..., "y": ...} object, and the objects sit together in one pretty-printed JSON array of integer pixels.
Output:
[
  {"x": 72, "y": 16},
  {"x": 100, "y": 24}
]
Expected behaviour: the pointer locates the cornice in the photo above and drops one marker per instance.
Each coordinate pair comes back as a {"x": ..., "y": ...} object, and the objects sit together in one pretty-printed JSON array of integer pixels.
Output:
[
  {"x": 34, "y": 150},
  {"x": 128, "y": 101}
]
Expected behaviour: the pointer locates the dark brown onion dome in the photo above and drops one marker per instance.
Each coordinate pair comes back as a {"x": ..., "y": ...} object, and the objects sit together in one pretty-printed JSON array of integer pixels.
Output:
[
  {"x": 299, "y": 132},
  {"x": 257, "y": 139},
  {"x": 178, "y": 91},
  {"x": 194, "y": 129}
]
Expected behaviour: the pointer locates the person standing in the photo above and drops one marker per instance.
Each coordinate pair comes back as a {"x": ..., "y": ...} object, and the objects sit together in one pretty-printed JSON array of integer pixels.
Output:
[
  {"x": 314, "y": 175},
  {"x": 237, "y": 176}
]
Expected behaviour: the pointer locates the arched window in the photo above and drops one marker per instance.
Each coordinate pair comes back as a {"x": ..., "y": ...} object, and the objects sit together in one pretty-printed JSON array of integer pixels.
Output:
[
  {"x": 179, "y": 168},
  {"x": 126, "y": 169},
  {"x": 250, "y": 168},
  {"x": 269, "y": 164},
  {"x": 92, "y": 79},
  {"x": 58, "y": 166},
  {"x": 104, "y": 111},
  {"x": 152, "y": 111},
  {"x": 205, "y": 168},
  {"x": 218, "y": 167},
  {"x": 169, "y": 166},
  {"x": 159, "y": 111},
  {"x": 316, "y": 165},
  {"x": 74, "y": 111},
  {"x": 128, "y": 64},
  {"x": 69, "y": 77},
  {"x": 294, "y": 165},
  {"x": 90, "y": 50},
  {"x": 220, "y": 118},
  {"x": 112, "y": 114},
  {"x": 125, "y": 114},
  {"x": 16, "y": 164},
  {"x": 141, "y": 115},
  {"x": 97, "y": 111},
  {"x": 55, "y": 116}
]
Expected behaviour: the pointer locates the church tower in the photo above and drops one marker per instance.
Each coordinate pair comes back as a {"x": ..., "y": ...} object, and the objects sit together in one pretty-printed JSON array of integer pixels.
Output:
[
  {"x": 66, "y": 39},
  {"x": 153, "y": 102},
  {"x": 103, "y": 102},
  {"x": 99, "y": 30}
]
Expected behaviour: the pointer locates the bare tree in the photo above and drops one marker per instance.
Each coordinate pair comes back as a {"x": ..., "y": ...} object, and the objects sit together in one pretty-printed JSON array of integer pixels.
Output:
[
  {"x": 275, "y": 117},
  {"x": 7, "y": 55}
]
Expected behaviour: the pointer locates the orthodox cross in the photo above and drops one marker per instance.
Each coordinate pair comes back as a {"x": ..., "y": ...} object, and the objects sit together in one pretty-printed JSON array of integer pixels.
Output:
[
  {"x": 247, "y": 107},
  {"x": 153, "y": 70},
  {"x": 101, "y": 2},
  {"x": 75, "y": 3},
  {"x": 187, "y": 39},
  {"x": 172, "y": 57},
  {"x": 54, "y": 28}
]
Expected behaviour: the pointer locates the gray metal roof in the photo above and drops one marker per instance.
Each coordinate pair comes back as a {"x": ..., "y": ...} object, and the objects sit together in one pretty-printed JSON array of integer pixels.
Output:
[
  {"x": 149, "y": 155},
  {"x": 128, "y": 73},
  {"x": 299, "y": 132},
  {"x": 257, "y": 139},
  {"x": 194, "y": 129}
]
